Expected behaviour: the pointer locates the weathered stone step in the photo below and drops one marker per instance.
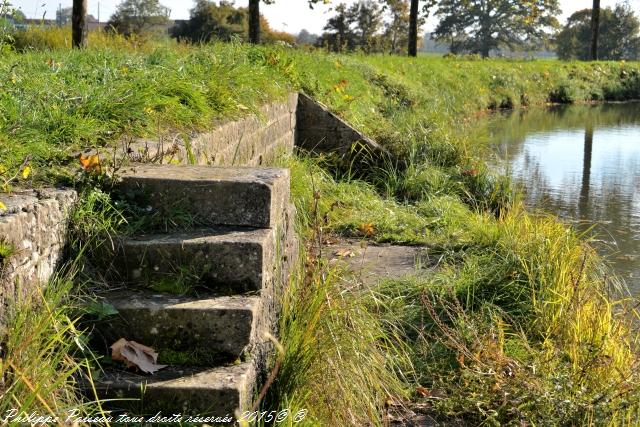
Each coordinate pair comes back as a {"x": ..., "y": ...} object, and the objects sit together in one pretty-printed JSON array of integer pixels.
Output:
[
  {"x": 212, "y": 195},
  {"x": 212, "y": 330},
  {"x": 189, "y": 391},
  {"x": 227, "y": 260}
]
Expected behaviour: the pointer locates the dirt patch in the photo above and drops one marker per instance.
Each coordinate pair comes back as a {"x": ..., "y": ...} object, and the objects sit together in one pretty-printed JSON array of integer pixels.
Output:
[{"x": 371, "y": 263}]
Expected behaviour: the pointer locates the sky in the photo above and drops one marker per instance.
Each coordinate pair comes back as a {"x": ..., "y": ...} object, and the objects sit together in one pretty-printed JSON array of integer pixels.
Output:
[{"x": 285, "y": 15}]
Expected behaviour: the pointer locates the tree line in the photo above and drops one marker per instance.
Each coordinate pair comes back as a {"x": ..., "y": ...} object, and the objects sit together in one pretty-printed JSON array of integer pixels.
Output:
[{"x": 466, "y": 26}]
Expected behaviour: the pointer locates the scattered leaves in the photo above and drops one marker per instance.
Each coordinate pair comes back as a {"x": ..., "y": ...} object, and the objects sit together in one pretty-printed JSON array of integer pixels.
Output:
[
  {"x": 367, "y": 229},
  {"x": 91, "y": 163},
  {"x": 423, "y": 392},
  {"x": 26, "y": 172},
  {"x": 344, "y": 253},
  {"x": 136, "y": 355}
]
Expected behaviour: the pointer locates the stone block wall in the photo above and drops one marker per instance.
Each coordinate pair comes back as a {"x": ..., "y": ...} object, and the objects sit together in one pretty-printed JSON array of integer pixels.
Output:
[
  {"x": 256, "y": 140},
  {"x": 34, "y": 230}
]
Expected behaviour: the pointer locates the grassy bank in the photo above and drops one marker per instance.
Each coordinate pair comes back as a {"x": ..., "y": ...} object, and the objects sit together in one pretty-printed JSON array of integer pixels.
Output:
[{"x": 517, "y": 325}]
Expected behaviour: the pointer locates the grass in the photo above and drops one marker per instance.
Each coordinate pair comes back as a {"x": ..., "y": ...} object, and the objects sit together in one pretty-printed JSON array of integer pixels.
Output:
[
  {"x": 43, "y": 355},
  {"x": 521, "y": 324}
]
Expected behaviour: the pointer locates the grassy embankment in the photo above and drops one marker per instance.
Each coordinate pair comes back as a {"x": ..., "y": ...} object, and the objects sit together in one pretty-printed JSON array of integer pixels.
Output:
[{"x": 515, "y": 325}]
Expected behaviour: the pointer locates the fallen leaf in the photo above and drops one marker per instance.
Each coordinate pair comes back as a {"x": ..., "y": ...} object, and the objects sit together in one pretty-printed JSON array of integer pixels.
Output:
[
  {"x": 423, "y": 391},
  {"x": 344, "y": 253},
  {"x": 136, "y": 355},
  {"x": 367, "y": 229},
  {"x": 91, "y": 163},
  {"x": 26, "y": 172},
  {"x": 3, "y": 207}
]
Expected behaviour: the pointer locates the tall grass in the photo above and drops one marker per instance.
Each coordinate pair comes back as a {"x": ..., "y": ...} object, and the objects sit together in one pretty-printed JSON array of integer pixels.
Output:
[{"x": 43, "y": 355}]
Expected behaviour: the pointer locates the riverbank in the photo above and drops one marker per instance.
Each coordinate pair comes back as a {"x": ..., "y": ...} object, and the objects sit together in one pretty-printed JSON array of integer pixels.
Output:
[{"x": 518, "y": 319}]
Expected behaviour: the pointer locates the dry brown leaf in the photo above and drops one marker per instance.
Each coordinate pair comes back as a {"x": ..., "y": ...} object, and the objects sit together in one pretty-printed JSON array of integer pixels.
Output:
[
  {"x": 136, "y": 355},
  {"x": 367, "y": 229},
  {"x": 344, "y": 253},
  {"x": 423, "y": 391}
]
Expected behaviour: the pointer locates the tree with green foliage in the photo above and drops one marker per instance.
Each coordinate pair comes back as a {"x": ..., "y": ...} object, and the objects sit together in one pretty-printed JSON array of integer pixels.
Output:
[
  {"x": 209, "y": 20},
  {"x": 396, "y": 29},
  {"x": 134, "y": 17},
  {"x": 338, "y": 34},
  {"x": 619, "y": 35},
  {"x": 367, "y": 17},
  {"x": 223, "y": 21},
  {"x": 480, "y": 26}
]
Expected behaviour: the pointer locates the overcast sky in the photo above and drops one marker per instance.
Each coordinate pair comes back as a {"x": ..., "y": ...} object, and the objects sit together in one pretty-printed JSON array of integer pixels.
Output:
[{"x": 286, "y": 15}]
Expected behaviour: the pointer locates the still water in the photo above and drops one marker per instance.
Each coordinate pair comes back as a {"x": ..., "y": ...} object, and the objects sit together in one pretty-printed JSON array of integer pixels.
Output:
[{"x": 583, "y": 164}]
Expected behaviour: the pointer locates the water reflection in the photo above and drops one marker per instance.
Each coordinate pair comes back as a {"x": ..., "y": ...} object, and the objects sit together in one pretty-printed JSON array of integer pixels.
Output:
[{"x": 582, "y": 163}]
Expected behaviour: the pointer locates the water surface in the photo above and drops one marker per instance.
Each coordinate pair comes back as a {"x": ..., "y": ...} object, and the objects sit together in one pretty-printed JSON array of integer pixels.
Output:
[{"x": 583, "y": 164}]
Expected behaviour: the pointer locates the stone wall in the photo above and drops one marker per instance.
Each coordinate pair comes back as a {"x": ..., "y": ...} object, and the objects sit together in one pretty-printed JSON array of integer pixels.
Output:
[
  {"x": 318, "y": 130},
  {"x": 33, "y": 229},
  {"x": 256, "y": 140}
]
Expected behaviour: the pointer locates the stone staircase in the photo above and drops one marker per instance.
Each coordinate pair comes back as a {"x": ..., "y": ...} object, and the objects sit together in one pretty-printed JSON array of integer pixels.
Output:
[{"x": 233, "y": 266}]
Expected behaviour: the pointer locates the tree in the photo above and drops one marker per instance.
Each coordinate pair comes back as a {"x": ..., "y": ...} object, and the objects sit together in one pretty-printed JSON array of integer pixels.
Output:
[
  {"x": 212, "y": 21},
  {"x": 415, "y": 22},
  {"x": 224, "y": 22},
  {"x": 338, "y": 35},
  {"x": 396, "y": 33},
  {"x": 79, "y": 24},
  {"x": 367, "y": 17},
  {"x": 480, "y": 26},
  {"x": 304, "y": 37},
  {"x": 595, "y": 29},
  {"x": 619, "y": 36},
  {"x": 137, "y": 16}
]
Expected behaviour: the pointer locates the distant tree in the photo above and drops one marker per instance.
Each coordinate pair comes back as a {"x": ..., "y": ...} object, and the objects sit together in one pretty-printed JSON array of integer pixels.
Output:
[
  {"x": 367, "y": 17},
  {"x": 396, "y": 31},
  {"x": 619, "y": 35},
  {"x": 223, "y": 21},
  {"x": 338, "y": 34},
  {"x": 79, "y": 24},
  {"x": 305, "y": 37},
  {"x": 595, "y": 29},
  {"x": 480, "y": 26},
  {"x": 209, "y": 20},
  {"x": 137, "y": 16}
]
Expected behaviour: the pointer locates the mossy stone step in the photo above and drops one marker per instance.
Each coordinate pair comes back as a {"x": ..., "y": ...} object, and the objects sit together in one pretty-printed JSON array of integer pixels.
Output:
[
  {"x": 214, "y": 330},
  {"x": 223, "y": 259},
  {"x": 190, "y": 391},
  {"x": 253, "y": 197}
]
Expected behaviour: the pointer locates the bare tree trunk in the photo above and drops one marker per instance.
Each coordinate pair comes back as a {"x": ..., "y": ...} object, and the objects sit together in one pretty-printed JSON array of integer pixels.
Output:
[
  {"x": 413, "y": 28},
  {"x": 595, "y": 29},
  {"x": 254, "y": 21},
  {"x": 78, "y": 24},
  {"x": 583, "y": 204}
]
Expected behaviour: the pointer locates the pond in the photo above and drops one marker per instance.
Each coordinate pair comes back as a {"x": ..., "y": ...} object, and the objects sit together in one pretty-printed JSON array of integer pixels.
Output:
[{"x": 583, "y": 164}]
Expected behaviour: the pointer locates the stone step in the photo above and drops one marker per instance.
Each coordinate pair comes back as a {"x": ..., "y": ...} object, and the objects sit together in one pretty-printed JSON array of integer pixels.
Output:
[
  {"x": 212, "y": 330},
  {"x": 253, "y": 197},
  {"x": 226, "y": 260},
  {"x": 176, "y": 390}
]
